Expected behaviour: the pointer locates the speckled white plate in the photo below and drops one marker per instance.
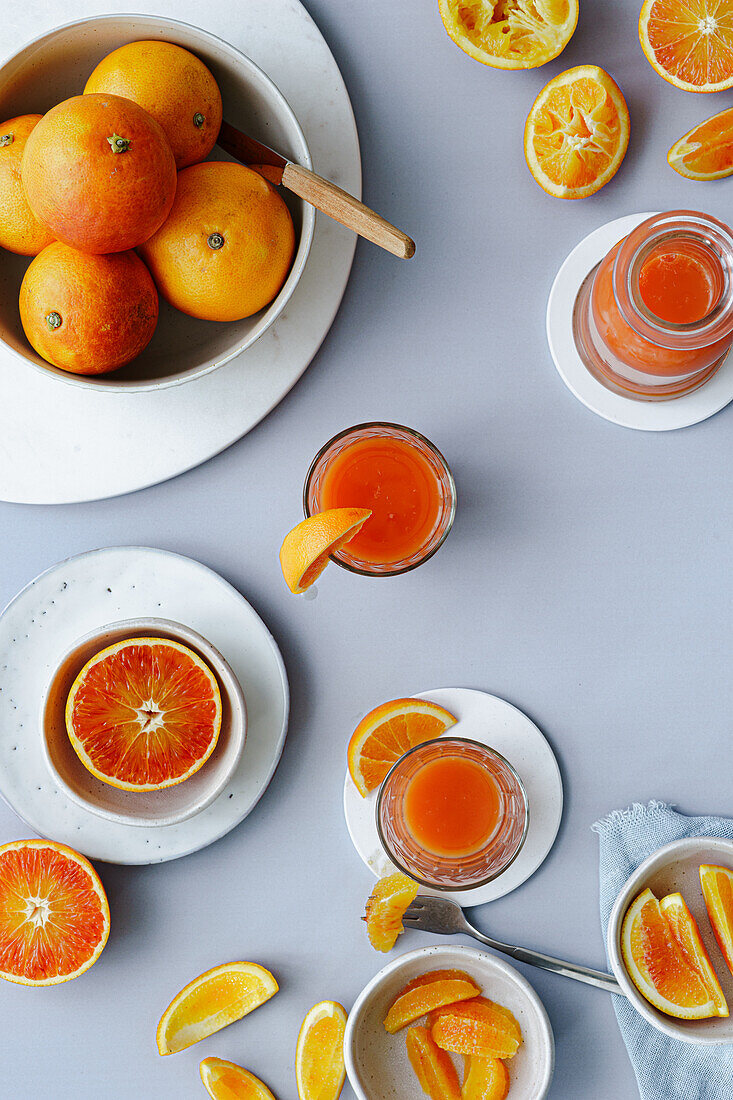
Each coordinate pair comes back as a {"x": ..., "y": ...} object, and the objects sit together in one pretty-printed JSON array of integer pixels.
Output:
[
  {"x": 494, "y": 722},
  {"x": 377, "y": 1063},
  {"x": 83, "y": 594}
]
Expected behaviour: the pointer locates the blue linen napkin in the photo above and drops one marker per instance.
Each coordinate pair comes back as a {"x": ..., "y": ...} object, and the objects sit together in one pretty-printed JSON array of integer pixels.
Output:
[{"x": 665, "y": 1068}]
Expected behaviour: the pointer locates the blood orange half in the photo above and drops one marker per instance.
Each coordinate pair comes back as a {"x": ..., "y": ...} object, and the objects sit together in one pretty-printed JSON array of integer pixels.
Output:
[
  {"x": 54, "y": 916},
  {"x": 144, "y": 714}
]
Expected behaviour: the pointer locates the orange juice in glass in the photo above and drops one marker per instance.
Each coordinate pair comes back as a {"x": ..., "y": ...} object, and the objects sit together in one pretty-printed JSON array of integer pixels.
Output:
[
  {"x": 405, "y": 482},
  {"x": 452, "y": 813}
]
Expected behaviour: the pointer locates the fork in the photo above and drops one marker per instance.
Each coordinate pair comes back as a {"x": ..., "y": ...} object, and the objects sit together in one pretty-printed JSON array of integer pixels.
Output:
[{"x": 445, "y": 918}]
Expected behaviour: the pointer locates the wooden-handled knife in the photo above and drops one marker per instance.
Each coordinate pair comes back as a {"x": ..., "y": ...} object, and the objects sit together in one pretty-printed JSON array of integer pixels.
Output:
[{"x": 325, "y": 196}]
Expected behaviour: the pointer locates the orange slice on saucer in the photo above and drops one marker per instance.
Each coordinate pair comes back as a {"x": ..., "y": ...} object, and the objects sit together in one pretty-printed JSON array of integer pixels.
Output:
[
  {"x": 144, "y": 714},
  {"x": 717, "y": 888},
  {"x": 319, "y": 1056},
  {"x": 689, "y": 42},
  {"x": 484, "y": 1079},
  {"x": 706, "y": 151},
  {"x": 513, "y": 34},
  {"x": 227, "y": 1081},
  {"x": 306, "y": 549},
  {"x": 385, "y": 909},
  {"x": 211, "y": 1002},
  {"x": 684, "y": 928},
  {"x": 54, "y": 916},
  {"x": 433, "y": 1067},
  {"x": 577, "y": 133},
  {"x": 427, "y": 992},
  {"x": 657, "y": 966},
  {"x": 387, "y": 733}
]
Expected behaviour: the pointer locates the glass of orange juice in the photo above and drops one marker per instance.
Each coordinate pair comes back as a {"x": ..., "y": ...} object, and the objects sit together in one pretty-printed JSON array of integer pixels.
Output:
[
  {"x": 402, "y": 478},
  {"x": 452, "y": 814}
]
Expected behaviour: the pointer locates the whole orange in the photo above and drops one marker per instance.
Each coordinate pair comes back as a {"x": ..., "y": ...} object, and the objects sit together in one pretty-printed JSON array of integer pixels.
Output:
[
  {"x": 88, "y": 314},
  {"x": 226, "y": 248},
  {"x": 20, "y": 229},
  {"x": 172, "y": 85},
  {"x": 99, "y": 172}
]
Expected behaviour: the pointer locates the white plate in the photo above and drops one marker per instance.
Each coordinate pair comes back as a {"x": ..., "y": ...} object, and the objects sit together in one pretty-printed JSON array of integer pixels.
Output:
[
  {"x": 55, "y": 443},
  {"x": 377, "y": 1063},
  {"x": 80, "y": 595},
  {"x": 494, "y": 722},
  {"x": 648, "y": 416}
]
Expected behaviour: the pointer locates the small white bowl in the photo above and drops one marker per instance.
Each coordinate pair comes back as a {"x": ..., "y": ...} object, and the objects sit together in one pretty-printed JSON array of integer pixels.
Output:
[
  {"x": 377, "y": 1063},
  {"x": 146, "y": 808},
  {"x": 673, "y": 869},
  {"x": 56, "y": 66}
]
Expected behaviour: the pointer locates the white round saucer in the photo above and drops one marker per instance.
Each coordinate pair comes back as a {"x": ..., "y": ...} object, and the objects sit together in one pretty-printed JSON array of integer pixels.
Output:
[
  {"x": 82, "y": 594},
  {"x": 649, "y": 416},
  {"x": 497, "y": 723},
  {"x": 56, "y": 446}
]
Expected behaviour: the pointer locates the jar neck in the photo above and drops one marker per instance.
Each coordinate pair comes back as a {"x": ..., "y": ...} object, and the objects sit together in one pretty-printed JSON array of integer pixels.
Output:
[{"x": 697, "y": 235}]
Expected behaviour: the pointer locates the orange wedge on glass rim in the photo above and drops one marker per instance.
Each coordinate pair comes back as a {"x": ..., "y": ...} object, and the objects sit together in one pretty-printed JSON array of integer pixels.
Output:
[
  {"x": 511, "y": 34},
  {"x": 54, "y": 916},
  {"x": 706, "y": 151},
  {"x": 426, "y": 993},
  {"x": 227, "y": 1081},
  {"x": 433, "y": 1068},
  {"x": 144, "y": 714},
  {"x": 319, "y": 1057},
  {"x": 387, "y": 733},
  {"x": 211, "y": 1002},
  {"x": 306, "y": 549},
  {"x": 684, "y": 928},
  {"x": 385, "y": 909},
  {"x": 577, "y": 133},
  {"x": 689, "y": 42},
  {"x": 657, "y": 966},
  {"x": 484, "y": 1078},
  {"x": 717, "y": 888}
]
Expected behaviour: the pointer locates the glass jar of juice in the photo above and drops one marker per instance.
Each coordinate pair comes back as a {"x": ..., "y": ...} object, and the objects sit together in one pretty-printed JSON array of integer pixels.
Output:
[
  {"x": 402, "y": 478},
  {"x": 654, "y": 320},
  {"x": 452, "y": 814}
]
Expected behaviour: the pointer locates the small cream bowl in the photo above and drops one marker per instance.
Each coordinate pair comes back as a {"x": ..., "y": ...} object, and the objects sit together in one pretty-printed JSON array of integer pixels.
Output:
[{"x": 146, "y": 808}]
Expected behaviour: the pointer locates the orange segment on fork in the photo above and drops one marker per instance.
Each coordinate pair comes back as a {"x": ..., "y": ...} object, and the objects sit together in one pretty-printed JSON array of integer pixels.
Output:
[
  {"x": 387, "y": 733},
  {"x": 306, "y": 549},
  {"x": 717, "y": 888},
  {"x": 385, "y": 909},
  {"x": 684, "y": 928}
]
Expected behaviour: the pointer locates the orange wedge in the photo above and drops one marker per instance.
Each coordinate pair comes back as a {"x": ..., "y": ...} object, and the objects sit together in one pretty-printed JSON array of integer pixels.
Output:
[
  {"x": 478, "y": 1026},
  {"x": 387, "y": 733},
  {"x": 684, "y": 928},
  {"x": 511, "y": 34},
  {"x": 706, "y": 151},
  {"x": 319, "y": 1056},
  {"x": 433, "y": 1067},
  {"x": 484, "y": 1079},
  {"x": 211, "y": 1001},
  {"x": 306, "y": 549},
  {"x": 657, "y": 966},
  {"x": 689, "y": 42},
  {"x": 227, "y": 1081},
  {"x": 717, "y": 888},
  {"x": 426, "y": 993},
  {"x": 577, "y": 133},
  {"x": 385, "y": 909}
]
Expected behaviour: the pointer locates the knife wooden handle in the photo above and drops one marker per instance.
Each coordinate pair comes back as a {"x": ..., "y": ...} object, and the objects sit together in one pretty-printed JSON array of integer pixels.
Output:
[{"x": 347, "y": 210}]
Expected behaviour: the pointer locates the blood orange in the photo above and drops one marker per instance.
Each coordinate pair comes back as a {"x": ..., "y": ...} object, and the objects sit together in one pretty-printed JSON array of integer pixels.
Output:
[
  {"x": 144, "y": 714},
  {"x": 54, "y": 916}
]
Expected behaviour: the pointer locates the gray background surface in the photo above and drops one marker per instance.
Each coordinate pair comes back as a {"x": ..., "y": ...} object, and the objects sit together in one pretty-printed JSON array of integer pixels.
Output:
[{"x": 587, "y": 579}]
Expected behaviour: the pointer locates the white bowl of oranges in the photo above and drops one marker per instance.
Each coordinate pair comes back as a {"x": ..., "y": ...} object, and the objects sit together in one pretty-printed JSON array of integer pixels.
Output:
[
  {"x": 138, "y": 255},
  {"x": 670, "y": 940}
]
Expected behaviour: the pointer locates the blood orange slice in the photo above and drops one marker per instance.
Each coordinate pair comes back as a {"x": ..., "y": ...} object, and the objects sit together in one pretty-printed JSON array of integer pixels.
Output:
[
  {"x": 54, "y": 916},
  {"x": 683, "y": 927},
  {"x": 717, "y": 888},
  {"x": 144, "y": 714}
]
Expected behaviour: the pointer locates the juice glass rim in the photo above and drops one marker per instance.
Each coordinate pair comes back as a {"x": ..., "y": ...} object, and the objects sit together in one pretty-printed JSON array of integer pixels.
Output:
[
  {"x": 474, "y": 744},
  {"x": 438, "y": 455}
]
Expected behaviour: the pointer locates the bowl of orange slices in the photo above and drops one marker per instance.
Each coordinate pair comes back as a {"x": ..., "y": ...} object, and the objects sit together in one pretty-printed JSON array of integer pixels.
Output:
[
  {"x": 143, "y": 723},
  {"x": 670, "y": 940},
  {"x": 449, "y": 1021},
  {"x": 140, "y": 255}
]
